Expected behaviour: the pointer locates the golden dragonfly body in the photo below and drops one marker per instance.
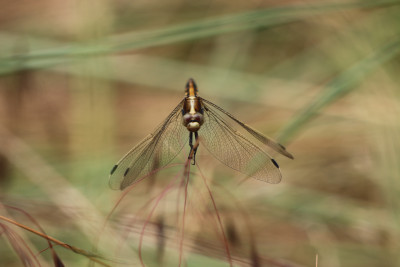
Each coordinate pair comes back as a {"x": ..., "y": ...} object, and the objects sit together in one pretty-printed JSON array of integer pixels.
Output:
[{"x": 206, "y": 122}]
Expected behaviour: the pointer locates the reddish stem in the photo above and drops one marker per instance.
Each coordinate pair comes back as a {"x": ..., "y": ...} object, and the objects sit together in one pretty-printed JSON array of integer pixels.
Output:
[
  {"x": 226, "y": 244},
  {"x": 187, "y": 172},
  {"x": 161, "y": 195}
]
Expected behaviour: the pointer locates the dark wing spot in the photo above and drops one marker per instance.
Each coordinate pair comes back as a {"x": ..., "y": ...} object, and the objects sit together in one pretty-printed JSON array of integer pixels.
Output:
[
  {"x": 274, "y": 162},
  {"x": 284, "y": 148},
  {"x": 113, "y": 169},
  {"x": 126, "y": 172}
]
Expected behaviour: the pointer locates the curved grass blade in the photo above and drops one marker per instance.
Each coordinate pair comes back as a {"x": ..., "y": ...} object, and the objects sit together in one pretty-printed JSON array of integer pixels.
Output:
[
  {"x": 184, "y": 32},
  {"x": 340, "y": 86}
]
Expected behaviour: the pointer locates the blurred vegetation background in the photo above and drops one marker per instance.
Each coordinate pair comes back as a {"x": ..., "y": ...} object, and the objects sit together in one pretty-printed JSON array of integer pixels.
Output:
[{"x": 82, "y": 82}]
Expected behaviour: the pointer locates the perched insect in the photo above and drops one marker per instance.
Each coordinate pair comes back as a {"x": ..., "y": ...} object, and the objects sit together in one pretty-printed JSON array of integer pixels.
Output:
[{"x": 205, "y": 119}]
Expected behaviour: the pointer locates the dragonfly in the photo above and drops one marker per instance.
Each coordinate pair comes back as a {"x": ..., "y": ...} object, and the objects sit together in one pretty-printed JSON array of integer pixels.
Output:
[{"x": 196, "y": 119}]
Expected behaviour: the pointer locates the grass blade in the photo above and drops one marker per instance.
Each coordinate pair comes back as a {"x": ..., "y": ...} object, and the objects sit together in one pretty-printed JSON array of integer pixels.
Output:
[
  {"x": 340, "y": 86},
  {"x": 179, "y": 33}
]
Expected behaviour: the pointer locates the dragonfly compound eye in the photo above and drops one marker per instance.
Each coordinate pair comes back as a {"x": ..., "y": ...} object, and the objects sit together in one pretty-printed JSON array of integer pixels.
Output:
[
  {"x": 186, "y": 119},
  {"x": 198, "y": 118},
  {"x": 193, "y": 126}
]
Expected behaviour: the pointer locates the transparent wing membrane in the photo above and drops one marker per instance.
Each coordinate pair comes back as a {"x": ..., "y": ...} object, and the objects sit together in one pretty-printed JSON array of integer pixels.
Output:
[
  {"x": 218, "y": 136},
  {"x": 155, "y": 151},
  {"x": 260, "y": 137},
  {"x": 235, "y": 150}
]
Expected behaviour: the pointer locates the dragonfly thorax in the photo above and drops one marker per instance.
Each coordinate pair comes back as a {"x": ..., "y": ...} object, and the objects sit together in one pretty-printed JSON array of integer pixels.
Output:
[{"x": 192, "y": 109}]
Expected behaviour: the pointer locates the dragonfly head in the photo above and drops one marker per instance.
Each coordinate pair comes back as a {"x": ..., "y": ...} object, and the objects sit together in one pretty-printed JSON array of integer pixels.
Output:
[
  {"x": 193, "y": 121},
  {"x": 191, "y": 88}
]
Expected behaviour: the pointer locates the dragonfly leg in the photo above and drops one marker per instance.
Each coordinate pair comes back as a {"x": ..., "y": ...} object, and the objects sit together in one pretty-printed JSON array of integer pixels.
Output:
[
  {"x": 190, "y": 144},
  {"x": 193, "y": 148},
  {"x": 196, "y": 145}
]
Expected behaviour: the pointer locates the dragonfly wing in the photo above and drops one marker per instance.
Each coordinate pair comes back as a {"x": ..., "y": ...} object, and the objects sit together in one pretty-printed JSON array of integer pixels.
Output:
[
  {"x": 260, "y": 137},
  {"x": 155, "y": 151},
  {"x": 235, "y": 150}
]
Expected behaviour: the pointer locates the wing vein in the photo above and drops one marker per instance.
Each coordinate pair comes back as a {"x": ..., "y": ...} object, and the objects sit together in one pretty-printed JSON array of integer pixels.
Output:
[{"x": 164, "y": 143}]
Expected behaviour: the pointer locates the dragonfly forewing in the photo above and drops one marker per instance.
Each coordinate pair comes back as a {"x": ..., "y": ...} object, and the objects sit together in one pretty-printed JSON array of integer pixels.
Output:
[
  {"x": 155, "y": 151},
  {"x": 235, "y": 150},
  {"x": 260, "y": 137}
]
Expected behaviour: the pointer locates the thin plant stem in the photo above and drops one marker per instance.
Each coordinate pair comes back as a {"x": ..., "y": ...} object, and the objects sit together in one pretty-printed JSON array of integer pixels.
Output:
[
  {"x": 14, "y": 238},
  {"x": 87, "y": 254},
  {"x": 54, "y": 254},
  {"x": 226, "y": 244},
  {"x": 161, "y": 195},
  {"x": 187, "y": 175},
  {"x": 124, "y": 193}
]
